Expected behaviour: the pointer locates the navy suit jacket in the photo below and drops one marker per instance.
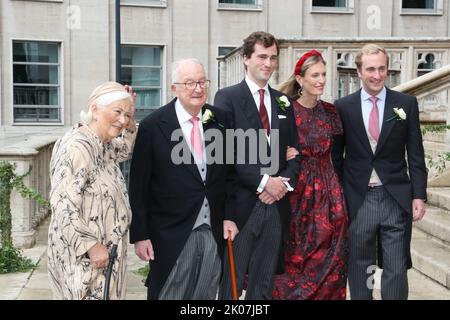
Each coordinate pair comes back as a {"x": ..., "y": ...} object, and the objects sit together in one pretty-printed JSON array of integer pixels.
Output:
[
  {"x": 238, "y": 102},
  {"x": 405, "y": 178}
]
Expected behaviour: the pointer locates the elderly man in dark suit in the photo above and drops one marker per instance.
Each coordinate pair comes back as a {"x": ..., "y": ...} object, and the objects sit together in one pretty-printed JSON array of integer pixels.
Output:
[
  {"x": 384, "y": 189},
  {"x": 255, "y": 107},
  {"x": 181, "y": 198}
]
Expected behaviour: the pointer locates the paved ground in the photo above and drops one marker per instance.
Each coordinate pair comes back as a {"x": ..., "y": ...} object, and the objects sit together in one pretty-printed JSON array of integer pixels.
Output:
[{"x": 35, "y": 286}]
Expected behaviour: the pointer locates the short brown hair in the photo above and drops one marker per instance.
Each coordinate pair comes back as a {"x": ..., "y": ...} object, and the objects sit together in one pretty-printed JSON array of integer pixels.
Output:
[
  {"x": 260, "y": 37},
  {"x": 370, "y": 48}
]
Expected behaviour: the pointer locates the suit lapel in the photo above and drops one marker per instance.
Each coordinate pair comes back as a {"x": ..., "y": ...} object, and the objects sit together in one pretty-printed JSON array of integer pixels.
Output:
[
  {"x": 248, "y": 107},
  {"x": 356, "y": 117},
  {"x": 207, "y": 126},
  {"x": 275, "y": 121},
  {"x": 168, "y": 124},
  {"x": 387, "y": 125}
]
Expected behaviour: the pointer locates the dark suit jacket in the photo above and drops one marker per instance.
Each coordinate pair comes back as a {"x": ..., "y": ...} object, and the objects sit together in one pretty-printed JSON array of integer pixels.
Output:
[
  {"x": 166, "y": 198},
  {"x": 238, "y": 101},
  {"x": 404, "y": 178}
]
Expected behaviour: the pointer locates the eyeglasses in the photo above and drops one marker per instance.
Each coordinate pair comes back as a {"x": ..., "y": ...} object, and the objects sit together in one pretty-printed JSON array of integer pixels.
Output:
[{"x": 191, "y": 85}]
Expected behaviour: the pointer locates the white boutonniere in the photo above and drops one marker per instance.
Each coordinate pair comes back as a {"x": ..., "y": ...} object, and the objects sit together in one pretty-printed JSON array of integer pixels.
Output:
[
  {"x": 208, "y": 117},
  {"x": 283, "y": 102},
  {"x": 399, "y": 114}
]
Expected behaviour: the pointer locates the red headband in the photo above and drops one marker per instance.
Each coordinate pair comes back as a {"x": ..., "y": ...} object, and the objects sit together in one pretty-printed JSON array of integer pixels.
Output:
[{"x": 303, "y": 58}]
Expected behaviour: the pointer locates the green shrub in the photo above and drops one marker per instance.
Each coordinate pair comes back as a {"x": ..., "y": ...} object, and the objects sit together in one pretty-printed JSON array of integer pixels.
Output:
[
  {"x": 11, "y": 260},
  {"x": 143, "y": 271}
]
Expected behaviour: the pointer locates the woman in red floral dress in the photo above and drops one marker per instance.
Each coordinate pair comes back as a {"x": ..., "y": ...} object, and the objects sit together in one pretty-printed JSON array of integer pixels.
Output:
[{"x": 316, "y": 248}]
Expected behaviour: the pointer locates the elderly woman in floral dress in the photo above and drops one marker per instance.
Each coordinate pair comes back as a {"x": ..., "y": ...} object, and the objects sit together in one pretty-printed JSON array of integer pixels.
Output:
[{"x": 89, "y": 199}]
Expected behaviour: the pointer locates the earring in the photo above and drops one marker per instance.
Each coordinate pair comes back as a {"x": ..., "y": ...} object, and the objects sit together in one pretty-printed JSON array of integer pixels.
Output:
[{"x": 300, "y": 92}]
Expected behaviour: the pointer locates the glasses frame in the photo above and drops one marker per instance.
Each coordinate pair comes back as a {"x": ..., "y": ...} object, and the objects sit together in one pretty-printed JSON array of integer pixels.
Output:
[{"x": 205, "y": 85}]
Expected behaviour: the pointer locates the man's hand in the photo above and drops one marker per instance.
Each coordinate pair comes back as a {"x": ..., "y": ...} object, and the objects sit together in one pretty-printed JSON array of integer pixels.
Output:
[
  {"x": 229, "y": 225},
  {"x": 144, "y": 250},
  {"x": 276, "y": 188},
  {"x": 266, "y": 198},
  {"x": 98, "y": 254},
  {"x": 418, "y": 208}
]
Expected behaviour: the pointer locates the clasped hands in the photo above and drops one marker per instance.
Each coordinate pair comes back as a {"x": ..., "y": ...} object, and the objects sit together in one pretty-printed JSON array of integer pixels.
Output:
[{"x": 274, "y": 190}]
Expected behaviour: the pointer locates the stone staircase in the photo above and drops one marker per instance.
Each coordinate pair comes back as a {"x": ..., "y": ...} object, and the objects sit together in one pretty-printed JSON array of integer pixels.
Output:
[{"x": 430, "y": 246}]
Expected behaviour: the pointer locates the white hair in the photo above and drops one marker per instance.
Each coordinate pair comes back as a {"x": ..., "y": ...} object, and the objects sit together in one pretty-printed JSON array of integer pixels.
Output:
[
  {"x": 103, "y": 101},
  {"x": 177, "y": 64}
]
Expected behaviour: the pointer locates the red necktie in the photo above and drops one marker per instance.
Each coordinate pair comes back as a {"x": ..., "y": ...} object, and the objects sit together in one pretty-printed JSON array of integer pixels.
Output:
[
  {"x": 263, "y": 112},
  {"x": 374, "y": 123},
  {"x": 196, "y": 139}
]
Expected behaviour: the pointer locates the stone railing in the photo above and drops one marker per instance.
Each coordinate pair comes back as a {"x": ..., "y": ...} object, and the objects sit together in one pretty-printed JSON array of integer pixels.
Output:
[
  {"x": 27, "y": 214},
  {"x": 432, "y": 91}
]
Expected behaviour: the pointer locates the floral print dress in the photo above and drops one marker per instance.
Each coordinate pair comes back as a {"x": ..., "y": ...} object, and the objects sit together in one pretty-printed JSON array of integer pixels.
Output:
[
  {"x": 317, "y": 246},
  {"x": 89, "y": 203}
]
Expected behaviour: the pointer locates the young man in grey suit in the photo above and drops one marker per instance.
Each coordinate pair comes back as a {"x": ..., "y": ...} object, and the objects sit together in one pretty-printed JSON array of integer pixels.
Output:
[
  {"x": 385, "y": 188},
  {"x": 262, "y": 210}
]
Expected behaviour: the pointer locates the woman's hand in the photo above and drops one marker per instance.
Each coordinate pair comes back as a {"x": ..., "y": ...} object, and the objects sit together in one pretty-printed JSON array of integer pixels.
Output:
[
  {"x": 99, "y": 256},
  {"x": 132, "y": 122},
  {"x": 291, "y": 153}
]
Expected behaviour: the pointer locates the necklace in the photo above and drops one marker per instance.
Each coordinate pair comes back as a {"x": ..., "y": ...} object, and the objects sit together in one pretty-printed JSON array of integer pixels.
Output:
[{"x": 92, "y": 132}]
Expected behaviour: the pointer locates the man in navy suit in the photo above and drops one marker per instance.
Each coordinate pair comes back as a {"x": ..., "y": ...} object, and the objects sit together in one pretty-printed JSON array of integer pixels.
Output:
[
  {"x": 385, "y": 188},
  {"x": 182, "y": 209},
  {"x": 262, "y": 210}
]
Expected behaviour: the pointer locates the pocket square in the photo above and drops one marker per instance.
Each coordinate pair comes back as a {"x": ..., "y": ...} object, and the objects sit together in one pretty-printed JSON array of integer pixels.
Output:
[{"x": 281, "y": 117}]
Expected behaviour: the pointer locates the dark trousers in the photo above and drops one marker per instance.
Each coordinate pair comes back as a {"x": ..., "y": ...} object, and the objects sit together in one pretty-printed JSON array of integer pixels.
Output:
[
  {"x": 256, "y": 249},
  {"x": 381, "y": 219}
]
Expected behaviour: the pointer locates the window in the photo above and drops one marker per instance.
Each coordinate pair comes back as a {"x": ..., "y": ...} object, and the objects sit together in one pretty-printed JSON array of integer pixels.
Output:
[
  {"x": 241, "y": 4},
  {"x": 330, "y": 3},
  {"x": 145, "y": 3},
  {"x": 418, "y": 4},
  {"x": 142, "y": 69},
  {"x": 36, "y": 82},
  {"x": 426, "y": 64},
  {"x": 422, "y": 7},
  {"x": 334, "y": 6}
]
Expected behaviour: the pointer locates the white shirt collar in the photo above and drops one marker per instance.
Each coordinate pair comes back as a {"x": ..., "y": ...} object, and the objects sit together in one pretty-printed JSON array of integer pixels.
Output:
[
  {"x": 254, "y": 87},
  {"x": 381, "y": 95},
  {"x": 182, "y": 114}
]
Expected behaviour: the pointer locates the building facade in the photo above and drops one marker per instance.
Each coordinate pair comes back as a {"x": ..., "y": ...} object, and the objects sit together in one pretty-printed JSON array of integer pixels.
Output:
[{"x": 54, "y": 52}]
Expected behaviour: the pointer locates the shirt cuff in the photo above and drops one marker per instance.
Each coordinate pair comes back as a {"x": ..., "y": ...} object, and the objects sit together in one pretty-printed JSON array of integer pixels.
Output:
[{"x": 263, "y": 183}]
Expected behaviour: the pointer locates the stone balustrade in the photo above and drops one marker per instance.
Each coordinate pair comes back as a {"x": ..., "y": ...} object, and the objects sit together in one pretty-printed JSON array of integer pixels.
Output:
[{"x": 27, "y": 214}]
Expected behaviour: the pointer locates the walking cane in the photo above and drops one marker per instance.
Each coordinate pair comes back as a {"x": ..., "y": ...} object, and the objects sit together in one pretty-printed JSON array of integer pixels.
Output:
[
  {"x": 233, "y": 273},
  {"x": 112, "y": 257}
]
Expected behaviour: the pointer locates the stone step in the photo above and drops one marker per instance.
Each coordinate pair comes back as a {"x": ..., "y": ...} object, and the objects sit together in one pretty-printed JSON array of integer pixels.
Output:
[
  {"x": 430, "y": 257},
  {"x": 435, "y": 136},
  {"x": 433, "y": 149},
  {"x": 439, "y": 197},
  {"x": 436, "y": 223}
]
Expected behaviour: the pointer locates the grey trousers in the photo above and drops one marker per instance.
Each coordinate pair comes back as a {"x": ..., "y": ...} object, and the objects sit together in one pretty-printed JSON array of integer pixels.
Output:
[
  {"x": 255, "y": 249},
  {"x": 196, "y": 274},
  {"x": 380, "y": 218}
]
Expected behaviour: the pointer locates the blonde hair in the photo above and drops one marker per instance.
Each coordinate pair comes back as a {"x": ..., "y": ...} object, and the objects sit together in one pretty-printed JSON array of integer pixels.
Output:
[
  {"x": 102, "y": 96},
  {"x": 291, "y": 87},
  {"x": 369, "y": 49}
]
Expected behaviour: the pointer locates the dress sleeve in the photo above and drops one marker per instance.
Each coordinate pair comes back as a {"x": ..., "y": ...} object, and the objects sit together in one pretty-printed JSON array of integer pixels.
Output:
[
  {"x": 335, "y": 119},
  {"x": 122, "y": 146},
  {"x": 71, "y": 175}
]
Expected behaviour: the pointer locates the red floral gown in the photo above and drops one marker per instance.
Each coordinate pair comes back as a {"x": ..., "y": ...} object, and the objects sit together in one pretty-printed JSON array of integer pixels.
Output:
[{"x": 317, "y": 245}]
